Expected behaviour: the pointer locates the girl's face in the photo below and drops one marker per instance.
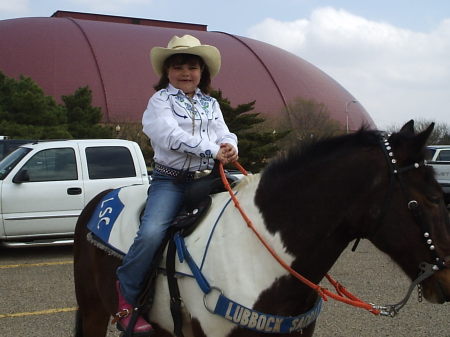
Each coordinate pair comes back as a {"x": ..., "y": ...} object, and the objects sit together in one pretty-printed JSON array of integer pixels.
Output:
[{"x": 185, "y": 77}]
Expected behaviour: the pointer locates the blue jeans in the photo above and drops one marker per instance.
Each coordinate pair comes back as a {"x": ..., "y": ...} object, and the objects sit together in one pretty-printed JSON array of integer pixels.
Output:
[{"x": 164, "y": 201}]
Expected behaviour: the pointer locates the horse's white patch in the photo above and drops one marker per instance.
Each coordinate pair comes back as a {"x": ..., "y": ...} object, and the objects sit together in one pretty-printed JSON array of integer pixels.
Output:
[{"x": 236, "y": 262}]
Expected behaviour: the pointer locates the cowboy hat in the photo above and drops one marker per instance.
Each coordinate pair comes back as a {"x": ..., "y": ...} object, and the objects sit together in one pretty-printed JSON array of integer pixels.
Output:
[{"x": 186, "y": 44}]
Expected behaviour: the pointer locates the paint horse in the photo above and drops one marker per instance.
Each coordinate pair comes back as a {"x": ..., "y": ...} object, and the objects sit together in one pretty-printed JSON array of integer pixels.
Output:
[{"x": 308, "y": 205}]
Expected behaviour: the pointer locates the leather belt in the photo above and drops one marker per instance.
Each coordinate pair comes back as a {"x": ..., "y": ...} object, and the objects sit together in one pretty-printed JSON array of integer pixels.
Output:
[
  {"x": 187, "y": 175},
  {"x": 173, "y": 172}
]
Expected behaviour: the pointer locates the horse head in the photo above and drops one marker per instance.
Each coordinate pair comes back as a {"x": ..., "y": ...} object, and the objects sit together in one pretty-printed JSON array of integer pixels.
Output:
[
  {"x": 414, "y": 226},
  {"x": 322, "y": 196}
]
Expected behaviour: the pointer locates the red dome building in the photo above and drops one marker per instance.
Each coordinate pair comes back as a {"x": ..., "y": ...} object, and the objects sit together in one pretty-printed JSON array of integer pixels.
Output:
[{"x": 110, "y": 54}]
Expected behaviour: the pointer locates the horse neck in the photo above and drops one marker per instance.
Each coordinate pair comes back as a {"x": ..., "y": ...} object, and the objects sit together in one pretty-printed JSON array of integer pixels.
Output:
[
  {"x": 272, "y": 287},
  {"x": 318, "y": 214}
]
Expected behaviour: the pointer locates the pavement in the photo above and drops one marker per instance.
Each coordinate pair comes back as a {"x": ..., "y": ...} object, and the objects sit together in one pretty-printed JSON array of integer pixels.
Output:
[{"x": 37, "y": 297}]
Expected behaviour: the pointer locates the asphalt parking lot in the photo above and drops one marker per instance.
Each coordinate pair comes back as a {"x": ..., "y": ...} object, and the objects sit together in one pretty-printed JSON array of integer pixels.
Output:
[
  {"x": 37, "y": 297},
  {"x": 37, "y": 293}
]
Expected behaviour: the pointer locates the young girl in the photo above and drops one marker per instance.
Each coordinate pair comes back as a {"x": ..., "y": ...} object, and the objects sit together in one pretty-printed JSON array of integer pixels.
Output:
[{"x": 187, "y": 132}]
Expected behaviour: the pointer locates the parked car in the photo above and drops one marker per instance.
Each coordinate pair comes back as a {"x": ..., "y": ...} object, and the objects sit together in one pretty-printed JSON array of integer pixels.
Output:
[
  {"x": 45, "y": 185},
  {"x": 438, "y": 156}
]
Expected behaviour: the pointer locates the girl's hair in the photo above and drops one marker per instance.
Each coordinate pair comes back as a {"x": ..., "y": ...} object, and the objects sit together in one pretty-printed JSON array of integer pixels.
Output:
[{"x": 180, "y": 59}]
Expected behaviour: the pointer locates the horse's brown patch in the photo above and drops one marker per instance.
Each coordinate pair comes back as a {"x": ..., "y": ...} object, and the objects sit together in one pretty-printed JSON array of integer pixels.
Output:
[{"x": 197, "y": 330}]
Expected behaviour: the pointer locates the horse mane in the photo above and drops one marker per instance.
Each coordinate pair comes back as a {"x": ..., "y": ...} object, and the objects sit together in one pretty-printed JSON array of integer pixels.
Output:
[
  {"x": 310, "y": 152},
  {"x": 246, "y": 181}
]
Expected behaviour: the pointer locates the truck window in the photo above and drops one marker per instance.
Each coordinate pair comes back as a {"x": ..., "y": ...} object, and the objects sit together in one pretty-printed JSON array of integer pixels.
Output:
[
  {"x": 52, "y": 165},
  {"x": 105, "y": 162},
  {"x": 9, "y": 145},
  {"x": 11, "y": 161},
  {"x": 429, "y": 153},
  {"x": 444, "y": 155}
]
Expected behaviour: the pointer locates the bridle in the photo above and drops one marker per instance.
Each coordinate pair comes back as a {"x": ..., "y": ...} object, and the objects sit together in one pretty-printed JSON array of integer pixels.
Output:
[{"x": 425, "y": 269}]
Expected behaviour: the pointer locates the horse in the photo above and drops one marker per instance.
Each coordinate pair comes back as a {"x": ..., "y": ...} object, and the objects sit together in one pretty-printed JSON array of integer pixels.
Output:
[{"x": 308, "y": 204}]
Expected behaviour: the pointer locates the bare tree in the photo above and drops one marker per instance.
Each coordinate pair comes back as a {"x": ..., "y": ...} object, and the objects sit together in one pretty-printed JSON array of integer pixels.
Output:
[
  {"x": 310, "y": 119},
  {"x": 439, "y": 136}
]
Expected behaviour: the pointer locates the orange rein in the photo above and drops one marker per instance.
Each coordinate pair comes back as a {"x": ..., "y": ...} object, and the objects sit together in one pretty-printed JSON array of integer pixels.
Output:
[{"x": 342, "y": 295}]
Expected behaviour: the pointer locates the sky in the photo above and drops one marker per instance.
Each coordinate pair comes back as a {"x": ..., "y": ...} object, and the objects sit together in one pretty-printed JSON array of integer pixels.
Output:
[{"x": 393, "y": 56}]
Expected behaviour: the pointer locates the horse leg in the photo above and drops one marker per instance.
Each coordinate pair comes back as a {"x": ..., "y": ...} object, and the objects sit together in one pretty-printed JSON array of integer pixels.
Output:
[
  {"x": 96, "y": 294},
  {"x": 91, "y": 322}
]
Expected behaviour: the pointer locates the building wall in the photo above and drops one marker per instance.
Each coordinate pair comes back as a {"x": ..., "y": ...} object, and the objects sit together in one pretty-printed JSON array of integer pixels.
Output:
[{"x": 65, "y": 52}]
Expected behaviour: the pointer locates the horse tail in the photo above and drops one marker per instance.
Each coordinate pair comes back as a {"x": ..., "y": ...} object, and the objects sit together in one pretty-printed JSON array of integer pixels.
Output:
[{"x": 78, "y": 324}]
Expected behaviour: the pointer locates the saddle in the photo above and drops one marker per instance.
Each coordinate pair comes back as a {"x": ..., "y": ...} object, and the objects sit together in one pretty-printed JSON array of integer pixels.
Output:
[{"x": 197, "y": 200}]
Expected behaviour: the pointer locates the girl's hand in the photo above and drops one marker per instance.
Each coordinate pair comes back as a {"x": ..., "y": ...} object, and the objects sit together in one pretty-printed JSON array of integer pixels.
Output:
[{"x": 227, "y": 154}]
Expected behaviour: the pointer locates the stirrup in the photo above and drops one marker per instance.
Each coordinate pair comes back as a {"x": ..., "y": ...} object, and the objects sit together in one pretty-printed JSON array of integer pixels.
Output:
[{"x": 119, "y": 315}]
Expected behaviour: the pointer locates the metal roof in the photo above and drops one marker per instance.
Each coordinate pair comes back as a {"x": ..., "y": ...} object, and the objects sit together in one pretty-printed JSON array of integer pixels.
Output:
[{"x": 64, "y": 53}]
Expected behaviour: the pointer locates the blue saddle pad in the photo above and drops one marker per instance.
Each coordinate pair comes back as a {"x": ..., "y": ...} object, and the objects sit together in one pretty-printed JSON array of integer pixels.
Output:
[{"x": 115, "y": 220}]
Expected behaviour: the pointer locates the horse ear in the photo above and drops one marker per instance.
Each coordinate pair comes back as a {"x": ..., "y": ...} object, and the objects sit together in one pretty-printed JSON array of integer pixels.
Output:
[
  {"x": 408, "y": 128},
  {"x": 422, "y": 137}
]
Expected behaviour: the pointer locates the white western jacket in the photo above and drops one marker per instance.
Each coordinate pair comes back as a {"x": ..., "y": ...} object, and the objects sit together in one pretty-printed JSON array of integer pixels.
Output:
[{"x": 185, "y": 133}]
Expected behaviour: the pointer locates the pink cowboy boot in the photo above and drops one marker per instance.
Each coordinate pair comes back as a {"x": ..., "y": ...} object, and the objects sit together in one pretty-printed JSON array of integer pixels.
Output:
[{"x": 123, "y": 316}]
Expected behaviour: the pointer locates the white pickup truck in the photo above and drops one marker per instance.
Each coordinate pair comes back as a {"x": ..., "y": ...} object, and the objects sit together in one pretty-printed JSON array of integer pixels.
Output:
[
  {"x": 45, "y": 185},
  {"x": 438, "y": 156}
]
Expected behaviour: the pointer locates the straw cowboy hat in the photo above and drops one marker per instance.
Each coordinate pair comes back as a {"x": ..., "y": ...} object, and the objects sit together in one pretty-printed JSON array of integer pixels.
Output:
[{"x": 186, "y": 44}]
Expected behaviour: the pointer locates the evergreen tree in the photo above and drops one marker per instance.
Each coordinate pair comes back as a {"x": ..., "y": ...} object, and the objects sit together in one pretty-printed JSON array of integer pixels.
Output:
[
  {"x": 83, "y": 118},
  {"x": 26, "y": 112},
  {"x": 256, "y": 145}
]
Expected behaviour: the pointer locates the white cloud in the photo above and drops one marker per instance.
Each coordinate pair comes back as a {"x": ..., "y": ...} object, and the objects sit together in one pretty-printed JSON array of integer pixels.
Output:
[
  {"x": 16, "y": 7},
  {"x": 397, "y": 74}
]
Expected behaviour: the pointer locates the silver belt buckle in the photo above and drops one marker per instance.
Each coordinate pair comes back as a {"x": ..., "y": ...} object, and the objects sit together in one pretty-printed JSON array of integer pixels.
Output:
[{"x": 202, "y": 173}]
